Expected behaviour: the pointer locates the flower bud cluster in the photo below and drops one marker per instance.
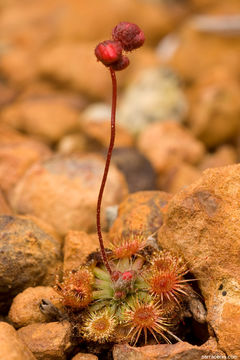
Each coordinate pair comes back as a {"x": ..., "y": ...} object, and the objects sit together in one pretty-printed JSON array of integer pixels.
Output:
[{"x": 126, "y": 37}]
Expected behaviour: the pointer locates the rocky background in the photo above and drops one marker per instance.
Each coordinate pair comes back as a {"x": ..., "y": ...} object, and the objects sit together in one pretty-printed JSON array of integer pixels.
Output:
[{"x": 174, "y": 170}]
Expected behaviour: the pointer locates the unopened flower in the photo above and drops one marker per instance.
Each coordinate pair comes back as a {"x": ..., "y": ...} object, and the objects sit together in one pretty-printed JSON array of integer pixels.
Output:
[
  {"x": 109, "y": 52},
  {"x": 130, "y": 35},
  {"x": 121, "y": 64}
]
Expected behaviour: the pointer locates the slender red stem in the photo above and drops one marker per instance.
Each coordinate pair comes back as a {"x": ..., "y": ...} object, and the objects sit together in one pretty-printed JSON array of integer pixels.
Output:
[{"x": 108, "y": 160}]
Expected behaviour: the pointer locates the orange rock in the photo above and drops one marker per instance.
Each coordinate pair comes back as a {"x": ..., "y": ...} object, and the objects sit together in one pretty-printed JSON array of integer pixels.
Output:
[
  {"x": 223, "y": 156},
  {"x": 46, "y": 118},
  {"x": 100, "y": 132},
  {"x": 7, "y": 94},
  {"x": 4, "y": 207},
  {"x": 11, "y": 346},
  {"x": 25, "y": 306},
  {"x": 200, "y": 52},
  {"x": 21, "y": 26},
  {"x": 140, "y": 213},
  {"x": 224, "y": 316},
  {"x": 215, "y": 108},
  {"x": 25, "y": 32},
  {"x": 49, "y": 229},
  {"x": 202, "y": 223},
  {"x": 166, "y": 144},
  {"x": 77, "y": 143},
  {"x": 203, "y": 3},
  {"x": 25, "y": 246},
  {"x": 219, "y": 7},
  {"x": 63, "y": 191},
  {"x": 84, "y": 356},
  {"x": 178, "y": 177},
  {"x": 17, "y": 154},
  {"x": 77, "y": 246},
  {"x": 181, "y": 350},
  {"x": 19, "y": 65},
  {"x": 47, "y": 341}
]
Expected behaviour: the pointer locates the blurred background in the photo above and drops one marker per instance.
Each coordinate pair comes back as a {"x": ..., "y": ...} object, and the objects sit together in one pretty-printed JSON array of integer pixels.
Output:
[{"x": 178, "y": 105}]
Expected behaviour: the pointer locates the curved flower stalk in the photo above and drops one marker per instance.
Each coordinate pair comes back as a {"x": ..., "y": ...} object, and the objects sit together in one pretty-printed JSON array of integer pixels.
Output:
[{"x": 126, "y": 36}]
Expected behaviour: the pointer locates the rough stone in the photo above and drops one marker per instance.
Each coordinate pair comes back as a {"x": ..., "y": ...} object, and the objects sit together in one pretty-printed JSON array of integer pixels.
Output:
[
  {"x": 199, "y": 4},
  {"x": 23, "y": 34},
  {"x": 224, "y": 316},
  {"x": 178, "y": 177},
  {"x": 202, "y": 223},
  {"x": 140, "y": 213},
  {"x": 63, "y": 191},
  {"x": 77, "y": 143},
  {"x": 167, "y": 144},
  {"x": 95, "y": 123},
  {"x": 4, "y": 207},
  {"x": 223, "y": 156},
  {"x": 7, "y": 94},
  {"x": 77, "y": 246},
  {"x": 154, "y": 96},
  {"x": 25, "y": 306},
  {"x": 46, "y": 227},
  {"x": 17, "y": 154},
  {"x": 21, "y": 26},
  {"x": 100, "y": 132},
  {"x": 83, "y": 356},
  {"x": 215, "y": 109},
  {"x": 47, "y": 341},
  {"x": 18, "y": 64},
  {"x": 28, "y": 256},
  {"x": 48, "y": 118},
  {"x": 11, "y": 346},
  {"x": 198, "y": 52},
  {"x": 180, "y": 350}
]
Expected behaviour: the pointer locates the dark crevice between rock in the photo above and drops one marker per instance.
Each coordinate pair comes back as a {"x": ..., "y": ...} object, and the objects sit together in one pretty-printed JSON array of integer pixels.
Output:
[
  {"x": 196, "y": 333},
  {"x": 102, "y": 351}
]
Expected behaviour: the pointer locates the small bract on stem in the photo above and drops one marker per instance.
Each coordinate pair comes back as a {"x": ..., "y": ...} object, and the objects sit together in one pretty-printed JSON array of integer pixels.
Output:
[{"x": 126, "y": 36}]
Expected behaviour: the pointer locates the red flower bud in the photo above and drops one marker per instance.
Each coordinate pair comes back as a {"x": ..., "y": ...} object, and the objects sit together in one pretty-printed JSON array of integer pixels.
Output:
[
  {"x": 121, "y": 64},
  {"x": 130, "y": 35},
  {"x": 127, "y": 275},
  {"x": 108, "y": 52}
]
